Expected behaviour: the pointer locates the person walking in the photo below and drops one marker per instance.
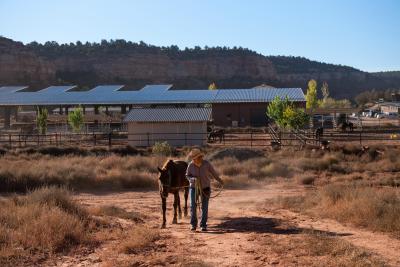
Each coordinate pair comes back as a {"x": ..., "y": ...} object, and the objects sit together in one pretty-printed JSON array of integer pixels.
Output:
[{"x": 199, "y": 173}]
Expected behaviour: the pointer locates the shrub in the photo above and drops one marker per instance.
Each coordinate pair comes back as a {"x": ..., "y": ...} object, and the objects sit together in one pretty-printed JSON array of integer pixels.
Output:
[
  {"x": 319, "y": 164},
  {"x": 45, "y": 221},
  {"x": 139, "y": 238},
  {"x": 75, "y": 119},
  {"x": 275, "y": 169},
  {"x": 162, "y": 148},
  {"x": 41, "y": 120},
  {"x": 306, "y": 179}
]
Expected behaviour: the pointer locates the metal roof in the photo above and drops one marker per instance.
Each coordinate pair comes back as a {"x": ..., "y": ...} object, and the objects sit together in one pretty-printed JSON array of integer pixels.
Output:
[
  {"x": 168, "y": 115},
  {"x": 257, "y": 95},
  {"x": 11, "y": 89},
  {"x": 150, "y": 94}
]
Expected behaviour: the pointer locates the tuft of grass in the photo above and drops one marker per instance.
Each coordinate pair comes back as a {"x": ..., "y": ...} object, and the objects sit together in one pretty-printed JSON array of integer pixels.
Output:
[
  {"x": 117, "y": 212},
  {"x": 306, "y": 179},
  {"x": 338, "y": 252},
  {"x": 138, "y": 239},
  {"x": 318, "y": 164},
  {"x": 45, "y": 221}
]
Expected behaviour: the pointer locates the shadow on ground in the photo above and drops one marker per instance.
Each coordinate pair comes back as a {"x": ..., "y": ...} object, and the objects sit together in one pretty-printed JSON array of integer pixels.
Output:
[{"x": 264, "y": 225}]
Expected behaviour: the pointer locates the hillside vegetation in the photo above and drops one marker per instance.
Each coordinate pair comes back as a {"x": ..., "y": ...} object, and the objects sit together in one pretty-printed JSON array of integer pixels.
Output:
[{"x": 136, "y": 64}]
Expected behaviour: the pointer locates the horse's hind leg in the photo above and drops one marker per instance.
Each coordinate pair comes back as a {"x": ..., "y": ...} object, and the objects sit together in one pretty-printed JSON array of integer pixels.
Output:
[
  {"x": 175, "y": 220},
  {"x": 186, "y": 194},
  {"x": 164, "y": 210},
  {"x": 179, "y": 206}
]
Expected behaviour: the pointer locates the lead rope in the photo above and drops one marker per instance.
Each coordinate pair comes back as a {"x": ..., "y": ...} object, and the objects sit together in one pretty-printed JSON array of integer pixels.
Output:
[{"x": 199, "y": 191}]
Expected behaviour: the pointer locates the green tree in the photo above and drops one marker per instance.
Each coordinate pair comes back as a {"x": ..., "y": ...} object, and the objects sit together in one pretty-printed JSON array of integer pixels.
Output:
[
  {"x": 41, "y": 120},
  {"x": 295, "y": 118},
  {"x": 276, "y": 108},
  {"x": 212, "y": 86},
  {"x": 311, "y": 96},
  {"x": 286, "y": 115},
  {"x": 75, "y": 119}
]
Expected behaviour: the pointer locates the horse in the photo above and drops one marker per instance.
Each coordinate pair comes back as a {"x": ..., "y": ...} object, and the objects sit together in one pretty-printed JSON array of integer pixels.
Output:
[
  {"x": 346, "y": 125},
  {"x": 173, "y": 178},
  {"x": 213, "y": 135},
  {"x": 319, "y": 132}
]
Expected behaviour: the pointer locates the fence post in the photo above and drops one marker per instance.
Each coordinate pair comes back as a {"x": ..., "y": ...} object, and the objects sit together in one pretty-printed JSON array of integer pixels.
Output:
[
  {"x": 148, "y": 139},
  {"x": 360, "y": 138},
  {"x": 38, "y": 139},
  {"x": 94, "y": 139},
  {"x": 9, "y": 140},
  {"x": 109, "y": 140},
  {"x": 19, "y": 140},
  {"x": 251, "y": 139}
]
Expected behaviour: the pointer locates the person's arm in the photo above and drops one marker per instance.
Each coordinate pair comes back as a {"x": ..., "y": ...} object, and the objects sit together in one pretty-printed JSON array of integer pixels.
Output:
[
  {"x": 189, "y": 175},
  {"x": 214, "y": 173}
]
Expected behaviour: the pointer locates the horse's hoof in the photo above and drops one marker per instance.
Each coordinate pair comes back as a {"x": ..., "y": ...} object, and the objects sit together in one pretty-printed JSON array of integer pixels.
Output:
[
  {"x": 163, "y": 226},
  {"x": 186, "y": 214},
  {"x": 175, "y": 221}
]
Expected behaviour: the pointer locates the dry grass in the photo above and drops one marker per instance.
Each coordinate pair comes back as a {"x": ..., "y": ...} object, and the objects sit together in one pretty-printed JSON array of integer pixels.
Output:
[
  {"x": 318, "y": 249},
  {"x": 372, "y": 208},
  {"x": 22, "y": 173},
  {"x": 250, "y": 172},
  {"x": 45, "y": 221},
  {"x": 114, "y": 211},
  {"x": 138, "y": 239},
  {"x": 306, "y": 179}
]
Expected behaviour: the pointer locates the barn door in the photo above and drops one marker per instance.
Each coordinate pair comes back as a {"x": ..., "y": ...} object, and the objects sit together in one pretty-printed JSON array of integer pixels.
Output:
[{"x": 258, "y": 117}]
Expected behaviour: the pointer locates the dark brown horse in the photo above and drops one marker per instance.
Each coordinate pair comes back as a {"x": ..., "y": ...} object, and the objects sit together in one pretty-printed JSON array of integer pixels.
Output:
[
  {"x": 214, "y": 134},
  {"x": 173, "y": 178}
]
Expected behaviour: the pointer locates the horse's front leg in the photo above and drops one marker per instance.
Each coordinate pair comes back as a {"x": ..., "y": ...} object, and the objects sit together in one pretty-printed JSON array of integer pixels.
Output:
[
  {"x": 164, "y": 210},
  {"x": 175, "y": 220},
  {"x": 179, "y": 206},
  {"x": 186, "y": 194}
]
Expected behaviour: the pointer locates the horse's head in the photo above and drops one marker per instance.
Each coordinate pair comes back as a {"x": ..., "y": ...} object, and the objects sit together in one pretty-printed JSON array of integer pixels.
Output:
[{"x": 165, "y": 178}]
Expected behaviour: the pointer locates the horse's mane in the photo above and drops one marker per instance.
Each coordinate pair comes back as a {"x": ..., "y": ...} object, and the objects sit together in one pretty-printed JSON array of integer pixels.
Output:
[{"x": 166, "y": 163}]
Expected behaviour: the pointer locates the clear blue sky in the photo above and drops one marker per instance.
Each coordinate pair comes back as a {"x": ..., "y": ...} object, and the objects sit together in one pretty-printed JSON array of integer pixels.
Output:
[{"x": 361, "y": 33}]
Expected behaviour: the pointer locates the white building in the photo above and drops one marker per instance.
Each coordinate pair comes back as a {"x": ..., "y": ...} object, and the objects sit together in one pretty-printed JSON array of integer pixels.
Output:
[{"x": 177, "y": 126}]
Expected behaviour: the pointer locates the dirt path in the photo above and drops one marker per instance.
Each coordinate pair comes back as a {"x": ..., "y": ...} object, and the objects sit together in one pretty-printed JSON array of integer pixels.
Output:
[{"x": 243, "y": 231}]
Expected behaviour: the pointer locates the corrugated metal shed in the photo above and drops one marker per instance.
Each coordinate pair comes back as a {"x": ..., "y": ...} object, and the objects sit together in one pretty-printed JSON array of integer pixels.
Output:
[{"x": 168, "y": 115}]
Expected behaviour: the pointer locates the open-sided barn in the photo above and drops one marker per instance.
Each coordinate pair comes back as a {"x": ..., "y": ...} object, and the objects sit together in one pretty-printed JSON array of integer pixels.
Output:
[{"x": 230, "y": 107}]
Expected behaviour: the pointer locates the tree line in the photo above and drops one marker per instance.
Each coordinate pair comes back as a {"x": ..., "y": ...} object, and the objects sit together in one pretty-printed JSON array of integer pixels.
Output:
[{"x": 120, "y": 47}]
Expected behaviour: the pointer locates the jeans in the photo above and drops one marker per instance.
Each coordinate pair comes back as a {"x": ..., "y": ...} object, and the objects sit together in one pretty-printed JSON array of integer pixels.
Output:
[{"x": 204, "y": 207}]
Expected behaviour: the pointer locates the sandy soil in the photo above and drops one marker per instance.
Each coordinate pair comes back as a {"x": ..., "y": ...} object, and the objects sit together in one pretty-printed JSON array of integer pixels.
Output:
[{"x": 243, "y": 231}]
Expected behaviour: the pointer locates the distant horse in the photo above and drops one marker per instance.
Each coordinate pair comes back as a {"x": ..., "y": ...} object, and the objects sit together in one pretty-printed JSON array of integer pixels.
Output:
[
  {"x": 346, "y": 125},
  {"x": 319, "y": 132},
  {"x": 214, "y": 134},
  {"x": 173, "y": 178}
]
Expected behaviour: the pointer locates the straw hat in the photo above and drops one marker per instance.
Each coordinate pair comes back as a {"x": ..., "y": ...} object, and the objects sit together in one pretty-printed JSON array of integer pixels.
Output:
[{"x": 195, "y": 153}]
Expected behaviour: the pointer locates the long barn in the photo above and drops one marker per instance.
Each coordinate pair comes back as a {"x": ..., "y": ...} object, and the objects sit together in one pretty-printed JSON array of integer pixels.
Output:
[{"x": 230, "y": 107}]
